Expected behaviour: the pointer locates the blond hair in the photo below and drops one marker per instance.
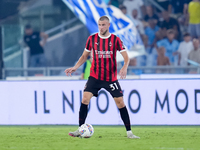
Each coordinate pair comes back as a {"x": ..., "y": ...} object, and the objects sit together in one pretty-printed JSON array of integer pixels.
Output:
[{"x": 102, "y": 18}]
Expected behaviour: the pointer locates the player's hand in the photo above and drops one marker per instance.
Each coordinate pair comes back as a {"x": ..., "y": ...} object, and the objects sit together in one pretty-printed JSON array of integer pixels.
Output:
[
  {"x": 123, "y": 73},
  {"x": 69, "y": 71}
]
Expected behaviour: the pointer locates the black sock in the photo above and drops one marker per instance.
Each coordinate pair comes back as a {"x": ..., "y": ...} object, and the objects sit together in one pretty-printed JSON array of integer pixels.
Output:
[
  {"x": 125, "y": 118},
  {"x": 83, "y": 114}
]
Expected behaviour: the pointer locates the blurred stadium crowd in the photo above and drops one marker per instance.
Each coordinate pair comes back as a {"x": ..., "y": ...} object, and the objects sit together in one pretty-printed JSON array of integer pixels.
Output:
[
  {"x": 169, "y": 29},
  {"x": 170, "y": 36}
]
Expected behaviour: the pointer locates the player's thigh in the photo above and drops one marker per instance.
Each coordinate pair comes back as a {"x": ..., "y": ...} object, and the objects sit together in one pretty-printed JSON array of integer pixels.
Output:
[
  {"x": 113, "y": 88},
  {"x": 92, "y": 86},
  {"x": 86, "y": 97}
]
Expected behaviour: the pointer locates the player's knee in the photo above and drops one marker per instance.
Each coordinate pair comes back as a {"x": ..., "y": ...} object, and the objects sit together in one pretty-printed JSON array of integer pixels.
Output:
[
  {"x": 120, "y": 102},
  {"x": 85, "y": 100}
]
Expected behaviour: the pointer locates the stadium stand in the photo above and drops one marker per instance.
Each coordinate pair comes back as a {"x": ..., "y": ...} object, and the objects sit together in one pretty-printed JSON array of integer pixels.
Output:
[{"x": 59, "y": 22}]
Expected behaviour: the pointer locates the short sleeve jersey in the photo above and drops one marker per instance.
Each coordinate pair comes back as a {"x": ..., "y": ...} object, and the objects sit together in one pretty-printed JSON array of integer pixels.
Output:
[{"x": 104, "y": 50}]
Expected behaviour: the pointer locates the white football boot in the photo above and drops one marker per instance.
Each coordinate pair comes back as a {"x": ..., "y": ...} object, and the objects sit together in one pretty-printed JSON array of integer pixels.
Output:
[
  {"x": 130, "y": 135},
  {"x": 75, "y": 133}
]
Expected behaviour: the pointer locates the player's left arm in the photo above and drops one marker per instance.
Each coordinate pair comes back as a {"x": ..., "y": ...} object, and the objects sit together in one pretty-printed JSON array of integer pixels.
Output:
[
  {"x": 123, "y": 71},
  {"x": 44, "y": 37}
]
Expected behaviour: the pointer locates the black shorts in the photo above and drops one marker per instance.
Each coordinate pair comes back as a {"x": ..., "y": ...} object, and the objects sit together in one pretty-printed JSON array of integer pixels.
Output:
[{"x": 93, "y": 85}]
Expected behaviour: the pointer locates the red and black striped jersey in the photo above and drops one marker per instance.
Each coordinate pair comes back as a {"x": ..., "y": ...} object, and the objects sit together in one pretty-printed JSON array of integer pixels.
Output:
[{"x": 104, "y": 50}]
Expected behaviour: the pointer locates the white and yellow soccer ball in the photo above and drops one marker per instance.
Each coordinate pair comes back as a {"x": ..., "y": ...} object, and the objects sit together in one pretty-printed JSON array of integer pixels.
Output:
[{"x": 86, "y": 130}]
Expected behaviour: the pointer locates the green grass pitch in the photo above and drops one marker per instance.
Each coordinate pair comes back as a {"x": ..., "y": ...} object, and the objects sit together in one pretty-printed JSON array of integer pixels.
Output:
[{"x": 104, "y": 138}]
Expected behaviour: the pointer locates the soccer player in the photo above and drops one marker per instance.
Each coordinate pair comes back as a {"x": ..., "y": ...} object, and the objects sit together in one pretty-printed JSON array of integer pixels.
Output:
[{"x": 103, "y": 72}]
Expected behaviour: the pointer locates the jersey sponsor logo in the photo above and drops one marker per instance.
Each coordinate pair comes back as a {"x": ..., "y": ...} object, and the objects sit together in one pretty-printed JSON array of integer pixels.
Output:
[
  {"x": 96, "y": 43},
  {"x": 103, "y": 54}
]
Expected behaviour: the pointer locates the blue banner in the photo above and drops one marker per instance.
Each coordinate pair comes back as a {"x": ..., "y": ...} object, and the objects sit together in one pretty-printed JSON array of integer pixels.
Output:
[{"x": 89, "y": 11}]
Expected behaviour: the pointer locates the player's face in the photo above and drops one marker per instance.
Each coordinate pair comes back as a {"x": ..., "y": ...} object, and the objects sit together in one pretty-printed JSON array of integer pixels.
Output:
[{"x": 103, "y": 27}]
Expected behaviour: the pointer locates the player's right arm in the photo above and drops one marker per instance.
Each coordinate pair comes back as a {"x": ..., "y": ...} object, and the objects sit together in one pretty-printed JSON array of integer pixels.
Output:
[
  {"x": 83, "y": 72},
  {"x": 81, "y": 60}
]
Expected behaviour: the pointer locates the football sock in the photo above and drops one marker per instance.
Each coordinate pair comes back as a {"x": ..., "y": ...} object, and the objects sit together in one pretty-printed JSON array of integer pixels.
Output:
[
  {"x": 125, "y": 118},
  {"x": 129, "y": 132},
  {"x": 83, "y": 114}
]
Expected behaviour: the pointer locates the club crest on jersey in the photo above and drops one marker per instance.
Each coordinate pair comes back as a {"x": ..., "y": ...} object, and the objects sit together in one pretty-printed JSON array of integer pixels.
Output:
[{"x": 110, "y": 44}]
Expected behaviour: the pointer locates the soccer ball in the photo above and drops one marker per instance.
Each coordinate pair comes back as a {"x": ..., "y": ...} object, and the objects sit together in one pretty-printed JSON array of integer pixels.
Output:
[{"x": 86, "y": 130}]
